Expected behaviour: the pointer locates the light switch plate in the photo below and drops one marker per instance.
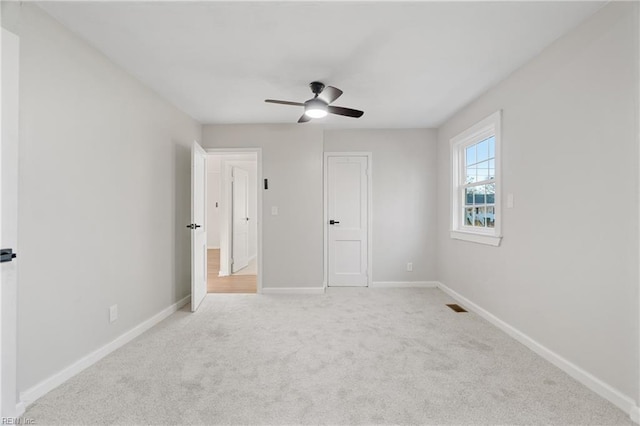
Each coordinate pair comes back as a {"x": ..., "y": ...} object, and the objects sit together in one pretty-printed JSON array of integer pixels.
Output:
[{"x": 509, "y": 201}]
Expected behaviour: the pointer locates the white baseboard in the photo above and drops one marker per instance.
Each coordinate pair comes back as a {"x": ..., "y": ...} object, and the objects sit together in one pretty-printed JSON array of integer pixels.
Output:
[
  {"x": 30, "y": 395},
  {"x": 292, "y": 290},
  {"x": 616, "y": 397},
  {"x": 404, "y": 284},
  {"x": 213, "y": 248}
]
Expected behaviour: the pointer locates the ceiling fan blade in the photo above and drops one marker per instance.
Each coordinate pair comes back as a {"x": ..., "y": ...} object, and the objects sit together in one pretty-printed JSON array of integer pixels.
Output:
[
  {"x": 345, "y": 111},
  {"x": 330, "y": 94},
  {"x": 274, "y": 101},
  {"x": 304, "y": 118}
]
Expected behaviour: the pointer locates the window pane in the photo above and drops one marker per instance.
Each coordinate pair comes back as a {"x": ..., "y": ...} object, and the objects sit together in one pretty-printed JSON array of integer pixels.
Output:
[
  {"x": 468, "y": 216},
  {"x": 480, "y": 217},
  {"x": 471, "y": 174},
  {"x": 482, "y": 150},
  {"x": 468, "y": 196},
  {"x": 492, "y": 147},
  {"x": 490, "y": 191},
  {"x": 482, "y": 172},
  {"x": 479, "y": 196},
  {"x": 492, "y": 169},
  {"x": 491, "y": 219},
  {"x": 471, "y": 155}
]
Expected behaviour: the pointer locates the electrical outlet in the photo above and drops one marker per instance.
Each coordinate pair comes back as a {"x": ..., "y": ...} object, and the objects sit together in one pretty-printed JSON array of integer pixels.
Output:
[
  {"x": 509, "y": 201},
  {"x": 113, "y": 313},
  {"x": 274, "y": 210},
  {"x": 410, "y": 267}
]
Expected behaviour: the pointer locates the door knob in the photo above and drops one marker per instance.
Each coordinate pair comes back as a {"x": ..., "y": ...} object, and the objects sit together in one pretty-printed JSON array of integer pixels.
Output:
[
  {"x": 333, "y": 222},
  {"x": 7, "y": 255}
]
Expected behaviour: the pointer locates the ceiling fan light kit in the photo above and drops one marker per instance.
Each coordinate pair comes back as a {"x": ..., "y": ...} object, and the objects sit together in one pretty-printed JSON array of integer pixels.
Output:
[
  {"x": 319, "y": 106},
  {"x": 315, "y": 108}
]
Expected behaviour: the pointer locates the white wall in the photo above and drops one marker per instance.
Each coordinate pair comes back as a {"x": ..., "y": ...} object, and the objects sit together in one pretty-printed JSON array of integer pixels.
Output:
[
  {"x": 292, "y": 161},
  {"x": 404, "y": 198},
  {"x": 104, "y": 176},
  {"x": 213, "y": 197},
  {"x": 566, "y": 273}
]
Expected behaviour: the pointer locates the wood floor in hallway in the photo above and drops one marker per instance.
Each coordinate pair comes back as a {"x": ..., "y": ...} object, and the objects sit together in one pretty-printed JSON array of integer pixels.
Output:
[{"x": 228, "y": 284}]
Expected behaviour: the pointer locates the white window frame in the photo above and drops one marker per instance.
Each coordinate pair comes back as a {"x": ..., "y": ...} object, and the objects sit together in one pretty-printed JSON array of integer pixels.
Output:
[{"x": 490, "y": 126}]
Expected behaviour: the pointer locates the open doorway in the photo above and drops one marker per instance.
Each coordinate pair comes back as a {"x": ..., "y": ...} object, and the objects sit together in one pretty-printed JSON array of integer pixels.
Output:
[{"x": 232, "y": 222}]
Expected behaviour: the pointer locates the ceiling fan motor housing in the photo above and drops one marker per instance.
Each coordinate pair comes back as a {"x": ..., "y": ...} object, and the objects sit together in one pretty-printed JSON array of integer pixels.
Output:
[
  {"x": 315, "y": 103},
  {"x": 316, "y": 87}
]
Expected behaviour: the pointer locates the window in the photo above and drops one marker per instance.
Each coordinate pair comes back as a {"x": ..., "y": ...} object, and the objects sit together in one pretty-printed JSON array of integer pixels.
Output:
[{"x": 475, "y": 161}]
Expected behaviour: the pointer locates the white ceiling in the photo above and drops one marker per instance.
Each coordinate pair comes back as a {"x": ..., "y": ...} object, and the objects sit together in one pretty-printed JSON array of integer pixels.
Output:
[{"x": 405, "y": 64}]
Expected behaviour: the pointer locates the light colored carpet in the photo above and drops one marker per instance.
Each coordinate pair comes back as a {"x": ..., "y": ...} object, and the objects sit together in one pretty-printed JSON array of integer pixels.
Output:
[
  {"x": 250, "y": 269},
  {"x": 351, "y": 356}
]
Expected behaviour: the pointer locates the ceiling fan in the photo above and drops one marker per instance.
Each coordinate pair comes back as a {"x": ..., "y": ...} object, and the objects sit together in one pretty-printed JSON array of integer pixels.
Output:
[{"x": 318, "y": 106}]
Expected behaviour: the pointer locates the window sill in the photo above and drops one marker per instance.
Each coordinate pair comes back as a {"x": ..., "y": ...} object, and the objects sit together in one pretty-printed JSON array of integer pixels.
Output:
[{"x": 489, "y": 240}]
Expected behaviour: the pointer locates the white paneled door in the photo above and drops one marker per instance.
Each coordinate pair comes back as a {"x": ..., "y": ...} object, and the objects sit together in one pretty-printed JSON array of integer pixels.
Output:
[
  {"x": 347, "y": 221},
  {"x": 197, "y": 225},
  {"x": 240, "y": 214}
]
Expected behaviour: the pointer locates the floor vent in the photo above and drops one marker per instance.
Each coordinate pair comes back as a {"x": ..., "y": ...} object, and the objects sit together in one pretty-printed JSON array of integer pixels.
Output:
[{"x": 457, "y": 308}]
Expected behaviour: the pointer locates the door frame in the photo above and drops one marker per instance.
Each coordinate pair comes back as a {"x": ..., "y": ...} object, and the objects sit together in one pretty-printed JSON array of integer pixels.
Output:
[
  {"x": 259, "y": 189},
  {"x": 325, "y": 215},
  {"x": 10, "y": 403}
]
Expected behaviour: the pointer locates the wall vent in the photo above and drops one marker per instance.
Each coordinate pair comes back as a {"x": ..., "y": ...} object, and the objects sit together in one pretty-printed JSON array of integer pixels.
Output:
[{"x": 457, "y": 308}]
